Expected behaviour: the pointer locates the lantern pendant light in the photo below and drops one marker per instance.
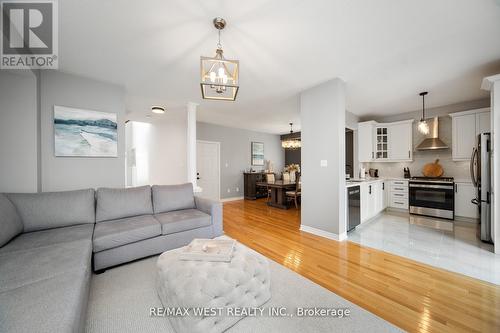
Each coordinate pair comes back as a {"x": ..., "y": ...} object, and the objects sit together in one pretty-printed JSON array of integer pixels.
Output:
[
  {"x": 219, "y": 76},
  {"x": 423, "y": 126}
]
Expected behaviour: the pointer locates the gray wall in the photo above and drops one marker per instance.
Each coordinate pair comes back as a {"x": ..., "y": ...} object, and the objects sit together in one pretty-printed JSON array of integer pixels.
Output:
[
  {"x": 458, "y": 170},
  {"x": 65, "y": 173},
  {"x": 322, "y": 114},
  {"x": 18, "y": 132},
  {"x": 235, "y": 153}
]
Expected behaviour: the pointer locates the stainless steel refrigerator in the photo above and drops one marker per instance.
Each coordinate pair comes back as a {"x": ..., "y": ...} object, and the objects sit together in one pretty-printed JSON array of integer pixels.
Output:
[{"x": 480, "y": 170}]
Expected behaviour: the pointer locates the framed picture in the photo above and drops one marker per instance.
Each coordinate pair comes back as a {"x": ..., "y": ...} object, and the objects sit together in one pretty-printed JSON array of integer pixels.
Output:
[
  {"x": 258, "y": 153},
  {"x": 84, "y": 133}
]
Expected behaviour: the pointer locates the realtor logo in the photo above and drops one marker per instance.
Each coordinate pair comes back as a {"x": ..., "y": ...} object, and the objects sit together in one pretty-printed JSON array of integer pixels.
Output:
[{"x": 29, "y": 34}]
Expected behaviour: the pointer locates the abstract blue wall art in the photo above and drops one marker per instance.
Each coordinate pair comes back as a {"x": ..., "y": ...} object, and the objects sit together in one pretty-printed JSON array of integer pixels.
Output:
[{"x": 84, "y": 133}]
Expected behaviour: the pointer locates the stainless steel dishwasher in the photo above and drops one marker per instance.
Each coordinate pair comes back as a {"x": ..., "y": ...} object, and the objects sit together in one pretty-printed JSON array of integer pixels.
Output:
[{"x": 353, "y": 207}]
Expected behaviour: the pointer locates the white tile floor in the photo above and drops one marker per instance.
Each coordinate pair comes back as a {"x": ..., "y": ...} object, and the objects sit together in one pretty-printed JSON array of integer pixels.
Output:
[{"x": 453, "y": 245}]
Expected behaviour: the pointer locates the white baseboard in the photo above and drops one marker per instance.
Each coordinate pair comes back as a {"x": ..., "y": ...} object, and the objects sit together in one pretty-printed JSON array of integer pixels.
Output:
[
  {"x": 231, "y": 199},
  {"x": 467, "y": 219},
  {"x": 322, "y": 233}
]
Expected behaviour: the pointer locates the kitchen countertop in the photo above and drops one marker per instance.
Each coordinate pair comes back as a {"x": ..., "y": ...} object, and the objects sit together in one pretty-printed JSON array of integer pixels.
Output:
[
  {"x": 368, "y": 180},
  {"x": 357, "y": 181}
]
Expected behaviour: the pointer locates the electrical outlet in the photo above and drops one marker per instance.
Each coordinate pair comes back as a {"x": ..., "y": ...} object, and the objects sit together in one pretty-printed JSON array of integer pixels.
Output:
[
  {"x": 228, "y": 190},
  {"x": 237, "y": 189}
]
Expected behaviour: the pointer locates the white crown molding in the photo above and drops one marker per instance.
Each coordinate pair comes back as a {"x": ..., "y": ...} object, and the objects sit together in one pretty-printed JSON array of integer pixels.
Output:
[{"x": 489, "y": 81}]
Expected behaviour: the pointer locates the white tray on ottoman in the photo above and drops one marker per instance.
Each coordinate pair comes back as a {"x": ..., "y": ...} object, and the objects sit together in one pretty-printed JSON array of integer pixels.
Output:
[{"x": 242, "y": 282}]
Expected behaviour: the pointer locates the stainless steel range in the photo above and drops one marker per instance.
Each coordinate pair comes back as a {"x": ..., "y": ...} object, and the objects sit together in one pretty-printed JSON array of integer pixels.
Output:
[{"x": 432, "y": 197}]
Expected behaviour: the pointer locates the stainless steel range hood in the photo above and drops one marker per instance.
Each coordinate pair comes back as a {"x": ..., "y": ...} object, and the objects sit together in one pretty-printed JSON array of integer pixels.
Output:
[{"x": 433, "y": 142}]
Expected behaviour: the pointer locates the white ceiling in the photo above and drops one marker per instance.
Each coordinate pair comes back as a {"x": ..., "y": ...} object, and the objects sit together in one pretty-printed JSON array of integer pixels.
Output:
[{"x": 386, "y": 50}]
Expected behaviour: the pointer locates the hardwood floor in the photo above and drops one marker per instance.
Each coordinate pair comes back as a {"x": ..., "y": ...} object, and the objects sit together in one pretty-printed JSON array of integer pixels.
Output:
[{"x": 413, "y": 296}]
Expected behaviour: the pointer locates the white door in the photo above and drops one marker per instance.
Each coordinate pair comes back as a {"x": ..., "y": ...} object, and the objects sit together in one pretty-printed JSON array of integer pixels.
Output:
[
  {"x": 207, "y": 163},
  {"x": 464, "y": 193},
  {"x": 464, "y": 136},
  {"x": 400, "y": 141}
]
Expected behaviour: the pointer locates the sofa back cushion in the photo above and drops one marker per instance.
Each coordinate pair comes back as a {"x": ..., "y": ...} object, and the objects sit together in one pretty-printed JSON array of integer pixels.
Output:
[
  {"x": 39, "y": 211},
  {"x": 116, "y": 203},
  {"x": 10, "y": 222},
  {"x": 167, "y": 198}
]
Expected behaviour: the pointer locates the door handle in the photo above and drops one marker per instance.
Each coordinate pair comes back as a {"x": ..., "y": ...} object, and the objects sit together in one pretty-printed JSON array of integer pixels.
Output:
[{"x": 472, "y": 167}]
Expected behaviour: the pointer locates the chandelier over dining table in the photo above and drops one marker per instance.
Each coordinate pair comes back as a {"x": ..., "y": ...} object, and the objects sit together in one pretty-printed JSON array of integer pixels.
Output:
[
  {"x": 219, "y": 76},
  {"x": 291, "y": 142}
]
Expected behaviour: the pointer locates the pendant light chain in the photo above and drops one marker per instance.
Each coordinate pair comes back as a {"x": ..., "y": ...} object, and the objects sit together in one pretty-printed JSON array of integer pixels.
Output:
[
  {"x": 423, "y": 107},
  {"x": 219, "y": 45}
]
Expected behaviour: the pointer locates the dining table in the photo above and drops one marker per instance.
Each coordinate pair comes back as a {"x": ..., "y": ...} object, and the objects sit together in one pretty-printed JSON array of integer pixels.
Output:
[{"x": 278, "y": 192}]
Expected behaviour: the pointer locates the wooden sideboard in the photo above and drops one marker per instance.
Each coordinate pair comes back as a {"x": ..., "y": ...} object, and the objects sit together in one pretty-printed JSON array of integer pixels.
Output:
[{"x": 252, "y": 191}]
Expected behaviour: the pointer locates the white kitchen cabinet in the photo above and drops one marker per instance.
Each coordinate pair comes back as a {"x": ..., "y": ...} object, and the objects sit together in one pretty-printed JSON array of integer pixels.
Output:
[
  {"x": 373, "y": 199},
  {"x": 380, "y": 196},
  {"x": 464, "y": 193},
  {"x": 385, "y": 195},
  {"x": 401, "y": 141},
  {"x": 381, "y": 143},
  {"x": 398, "y": 194},
  {"x": 464, "y": 136},
  {"x": 365, "y": 141},
  {"x": 390, "y": 142},
  {"x": 365, "y": 200},
  {"x": 483, "y": 122},
  {"x": 465, "y": 128}
]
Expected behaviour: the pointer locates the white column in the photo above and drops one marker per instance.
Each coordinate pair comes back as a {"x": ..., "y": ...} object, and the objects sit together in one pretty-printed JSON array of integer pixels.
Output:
[
  {"x": 492, "y": 84},
  {"x": 191, "y": 145}
]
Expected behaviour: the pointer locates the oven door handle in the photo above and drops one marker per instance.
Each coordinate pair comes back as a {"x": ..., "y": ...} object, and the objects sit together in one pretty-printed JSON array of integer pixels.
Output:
[{"x": 445, "y": 187}]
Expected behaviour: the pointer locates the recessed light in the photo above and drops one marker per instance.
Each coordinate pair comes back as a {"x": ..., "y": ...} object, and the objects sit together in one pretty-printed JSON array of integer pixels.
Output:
[{"x": 158, "y": 109}]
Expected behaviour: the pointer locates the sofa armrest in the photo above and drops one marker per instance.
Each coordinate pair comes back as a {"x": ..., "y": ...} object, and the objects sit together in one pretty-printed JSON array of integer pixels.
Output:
[{"x": 214, "y": 209}]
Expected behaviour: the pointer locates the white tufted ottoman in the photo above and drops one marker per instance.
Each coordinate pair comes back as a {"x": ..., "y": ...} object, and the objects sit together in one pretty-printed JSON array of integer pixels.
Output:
[{"x": 242, "y": 282}]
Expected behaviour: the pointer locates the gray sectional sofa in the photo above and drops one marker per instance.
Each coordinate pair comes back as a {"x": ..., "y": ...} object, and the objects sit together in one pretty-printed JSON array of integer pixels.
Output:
[{"x": 49, "y": 240}]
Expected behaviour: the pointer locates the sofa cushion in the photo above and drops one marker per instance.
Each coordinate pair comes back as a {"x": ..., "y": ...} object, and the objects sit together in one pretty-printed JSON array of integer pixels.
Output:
[
  {"x": 117, "y": 203},
  {"x": 50, "y": 237},
  {"x": 182, "y": 220},
  {"x": 167, "y": 198},
  {"x": 111, "y": 234},
  {"x": 10, "y": 222},
  {"x": 21, "y": 268},
  {"x": 57, "y": 304},
  {"x": 40, "y": 211}
]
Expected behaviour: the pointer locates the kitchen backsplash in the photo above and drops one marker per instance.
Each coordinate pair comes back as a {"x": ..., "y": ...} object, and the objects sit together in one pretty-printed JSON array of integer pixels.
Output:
[{"x": 458, "y": 170}]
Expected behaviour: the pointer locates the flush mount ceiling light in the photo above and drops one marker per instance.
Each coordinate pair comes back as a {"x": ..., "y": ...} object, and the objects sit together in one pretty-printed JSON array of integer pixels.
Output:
[
  {"x": 219, "y": 76},
  {"x": 158, "y": 109},
  {"x": 291, "y": 142},
  {"x": 423, "y": 127}
]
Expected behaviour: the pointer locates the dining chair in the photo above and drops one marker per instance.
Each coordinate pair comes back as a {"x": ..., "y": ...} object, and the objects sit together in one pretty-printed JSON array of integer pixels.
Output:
[
  {"x": 294, "y": 195},
  {"x": 269, "y": 179}
]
